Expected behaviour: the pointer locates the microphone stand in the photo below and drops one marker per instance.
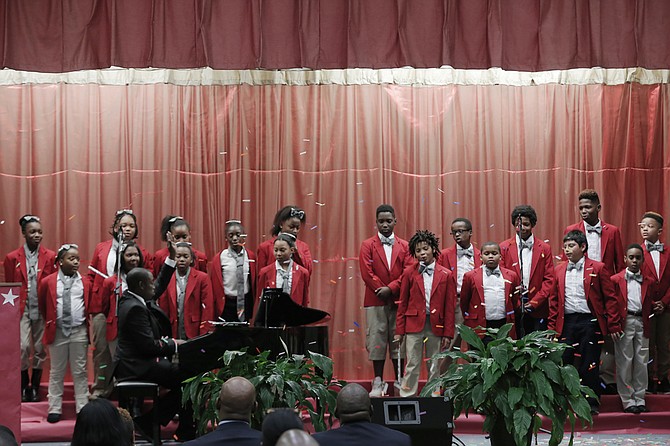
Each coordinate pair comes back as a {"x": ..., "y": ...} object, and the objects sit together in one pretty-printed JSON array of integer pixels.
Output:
[
  {"x": 524, "y": 293},
  {"x": 117, "y": 287}
]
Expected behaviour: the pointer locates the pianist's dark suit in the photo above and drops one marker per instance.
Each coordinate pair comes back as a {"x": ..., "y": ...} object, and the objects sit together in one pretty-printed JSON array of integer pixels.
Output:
[
  {"x": 232, "y": 432},
  {"x": 362, "y": 433}
]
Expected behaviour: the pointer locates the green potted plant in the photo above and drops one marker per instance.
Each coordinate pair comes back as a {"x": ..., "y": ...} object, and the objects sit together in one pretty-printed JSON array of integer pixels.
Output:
[
  {"x": 512, "y": 382},
  {"x": 304, "y": 382}
]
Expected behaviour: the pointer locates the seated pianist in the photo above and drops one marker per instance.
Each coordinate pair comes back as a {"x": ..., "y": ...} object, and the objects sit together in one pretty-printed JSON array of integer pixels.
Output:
[{"x": 145, "y": 348}]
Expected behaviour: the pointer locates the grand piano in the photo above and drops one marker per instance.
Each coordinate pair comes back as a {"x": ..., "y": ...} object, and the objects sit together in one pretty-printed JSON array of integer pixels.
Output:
[{"x": 279, "y": 321}]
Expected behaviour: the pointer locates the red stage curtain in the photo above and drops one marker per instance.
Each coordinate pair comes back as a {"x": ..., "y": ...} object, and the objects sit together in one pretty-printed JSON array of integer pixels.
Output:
[
  {"x": 522, "y": 35},
  {"x": 73, "y": 154}
]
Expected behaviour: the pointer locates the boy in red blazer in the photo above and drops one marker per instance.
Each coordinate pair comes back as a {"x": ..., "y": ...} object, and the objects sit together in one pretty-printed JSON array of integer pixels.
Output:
[
  {"x": 382, "y": 260},
  {"x": 584, "y": 310},
  {"x": 187, "y": 301},
  {"x": 632, "y": 350},
  {"x": 605, "y": 246},
  {"x": 537, "y": 277},
  {"x": 232, "y": 273},
  {"x": 28, "y": 265},
  {"x": 490, "y": 294},
  {"x": 656, "y": 266},
  {"x": 285, "y": 273},
  {"x": 63, "y": 300},
  {"x": 426, "y": 310}
]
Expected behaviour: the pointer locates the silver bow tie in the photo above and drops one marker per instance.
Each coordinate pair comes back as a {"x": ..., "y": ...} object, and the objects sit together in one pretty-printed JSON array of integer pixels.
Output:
[
  {"x": 492, "y": 272},
  {"x": 460, "y": 252},
  {"x": 630, "y": 276},
  {"x": 655, "y": 247}
]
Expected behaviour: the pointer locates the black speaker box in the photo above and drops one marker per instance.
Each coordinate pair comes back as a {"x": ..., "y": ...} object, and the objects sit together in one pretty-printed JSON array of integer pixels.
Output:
[{"x": 428, "y": 421}]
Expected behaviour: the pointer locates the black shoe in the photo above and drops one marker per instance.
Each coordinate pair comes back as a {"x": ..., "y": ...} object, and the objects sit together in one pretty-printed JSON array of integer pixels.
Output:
[
  {"x": 53, "y": 418},
  {"x": 595, "y": 409},
  {"x": 35, "y": 384},
  {"x": 663, "y": 386},
  {"x": 652, "y": 385},
  {"x": 632, "y": 409},
  {"x": 27, "y": 395},
  {"x": 25, "y": 383},
  {"x": 642, "y": 408}
]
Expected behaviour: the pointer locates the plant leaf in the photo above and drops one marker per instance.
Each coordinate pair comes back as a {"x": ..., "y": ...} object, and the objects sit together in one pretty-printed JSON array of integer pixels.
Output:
[
  {"x": 469, "y": 336},
  {"x": 514, "y": 395}
]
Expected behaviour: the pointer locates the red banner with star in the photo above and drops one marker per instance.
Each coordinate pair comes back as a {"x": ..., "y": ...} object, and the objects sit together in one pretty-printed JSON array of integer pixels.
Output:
[{"x": 10, "y": 366}]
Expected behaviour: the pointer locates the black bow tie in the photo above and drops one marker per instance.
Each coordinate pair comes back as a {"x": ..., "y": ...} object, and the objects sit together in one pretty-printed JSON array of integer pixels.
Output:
[
  {"x": 492, "y": 272},
  {"x": 596, "y": 229}
]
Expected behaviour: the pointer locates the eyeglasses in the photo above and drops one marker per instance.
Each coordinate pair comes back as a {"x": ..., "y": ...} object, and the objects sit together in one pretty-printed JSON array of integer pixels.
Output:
[
  {"x": 459, "y": 231},
  {"x": 297, "y": 213},
  {"x": 124, "y": 211}
]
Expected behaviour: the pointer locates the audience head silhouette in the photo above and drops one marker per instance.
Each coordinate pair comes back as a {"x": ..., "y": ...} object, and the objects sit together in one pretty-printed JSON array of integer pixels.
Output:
[
  {"x": 100, "y": 424},
  {"x": 353, "y": 404},
  {"x": 296, "y": 437},
  {"x": 277, "y": 422},
  {"x": 237, "y": 399}
]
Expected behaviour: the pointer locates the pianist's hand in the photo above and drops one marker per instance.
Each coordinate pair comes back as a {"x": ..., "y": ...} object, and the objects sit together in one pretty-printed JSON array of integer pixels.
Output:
[{"x": 179, "y": 341}]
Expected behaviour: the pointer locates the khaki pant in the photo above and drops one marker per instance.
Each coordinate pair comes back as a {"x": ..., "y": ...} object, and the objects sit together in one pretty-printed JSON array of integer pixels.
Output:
[
  {"x": 415, "y": 343},
  {"x": 72, "y": 350},
  {"x": 32, "y": 333},
  {"x": 379, "y": 332},
  {"x": 102, "y": 357},
  {"x": 658, "y": 345},
  {"x": 632, "y": 354}
]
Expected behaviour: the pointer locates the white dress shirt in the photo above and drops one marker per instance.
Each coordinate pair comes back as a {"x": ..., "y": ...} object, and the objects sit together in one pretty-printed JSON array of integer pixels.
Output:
[
  {"x": 634, "y": 294},
  {"x": 229, "y": 273},
  {"x": 77, "y": 301},
  {"x": 464, "y": 264},
  {"x": 279, "y": 280},
  {"x": 575, "y": 299},
  {"x": 526, "y": 255},
  {"x": 494, "y": 296},
  {"x": 594, "y": 240},
  {"x": 388, "y": 249},
  {"x": 428, "y": 284},
  {"x": 111, "y": 257}
]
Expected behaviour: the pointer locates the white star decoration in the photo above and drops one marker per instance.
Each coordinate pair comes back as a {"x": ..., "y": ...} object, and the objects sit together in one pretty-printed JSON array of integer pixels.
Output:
[{"x": 9, "y": 297}]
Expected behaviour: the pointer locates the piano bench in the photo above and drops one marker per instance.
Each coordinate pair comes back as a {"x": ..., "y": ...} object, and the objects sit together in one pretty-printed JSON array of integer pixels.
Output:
[{"x": 129, "y": 390}]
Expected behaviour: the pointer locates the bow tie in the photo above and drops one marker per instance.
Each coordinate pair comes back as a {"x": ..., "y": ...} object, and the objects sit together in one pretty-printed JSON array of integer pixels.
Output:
[
  {"x": 469, "y": 252},
  {"x": 492, "y": 272},
  {"x": 630, "y": 276},
  {"x": 387, "y": 240},
  {"x": 526, "y": 245},
  {"x": 655, "y": 247},
  {"x": 577, "y": 266},
  {"x": 596, "y": 229},
  {"x": 423, "y": 269}
]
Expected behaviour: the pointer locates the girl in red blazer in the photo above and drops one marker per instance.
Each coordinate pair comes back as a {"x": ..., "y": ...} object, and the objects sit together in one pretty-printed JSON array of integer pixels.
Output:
[
  {"x": 181, "y": 231},
  {"x": 63, "y": 300},
  {"x": 223, "y": 274},
  {"x": 491, "y": 313},
  {"x": 288, "y": 219},
  {"x": 28, "y": 265},
  {"x": 285, "y": 273},
  {"x": 103, "y": 265},
  {"x": 188, "y": 299},
  {"x": 426, "y": 310}
]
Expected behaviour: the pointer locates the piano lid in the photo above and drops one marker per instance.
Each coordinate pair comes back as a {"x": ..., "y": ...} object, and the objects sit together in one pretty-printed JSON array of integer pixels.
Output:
[{"x": 277, "y": 309}]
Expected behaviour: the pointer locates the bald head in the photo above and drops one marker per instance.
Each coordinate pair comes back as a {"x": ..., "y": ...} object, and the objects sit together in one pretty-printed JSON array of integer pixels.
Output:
[
  {"x": 140, "y": 282},
  {"x": 353, "y": 404},
  {"x": 237, "y": 399},
  {"x": 296, "y": 437}
]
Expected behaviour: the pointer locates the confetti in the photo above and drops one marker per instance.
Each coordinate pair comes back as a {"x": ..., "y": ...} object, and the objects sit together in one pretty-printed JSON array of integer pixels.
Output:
[
  {"x": 303, "y": 153},
  {"x": 313, "y": 227},
  {"x": 320, "y": 204},
  {"x": 2, "y": 222},
  {"x": 441, "y": 191},
  {"x": 457, "y": 202},
  {"x": 72, "y": 216},
  {"x": 246, "y": 200},
  {"x": 492, "y": 225},
  {"x": 360, "y": 183},
  {"x": 356, "y": 324}
]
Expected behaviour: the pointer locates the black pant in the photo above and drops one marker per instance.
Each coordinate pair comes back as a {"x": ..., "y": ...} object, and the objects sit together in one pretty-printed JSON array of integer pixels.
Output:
[
  {"x": 582, "y": 333},
  {"x": 167, "y": 374},
  {"x": 493, "y": 324}
]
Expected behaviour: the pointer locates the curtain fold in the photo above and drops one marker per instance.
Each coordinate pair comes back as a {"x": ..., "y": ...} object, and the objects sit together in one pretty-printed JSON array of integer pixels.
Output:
[
  {"x": 523, "y": 35},
  {"x": 74, "y": 154}
]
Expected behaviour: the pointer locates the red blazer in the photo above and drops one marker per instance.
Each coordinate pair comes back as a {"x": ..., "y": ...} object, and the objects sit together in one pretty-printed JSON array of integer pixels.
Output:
[
  {"x": 216, "y": 279},
  {"x": 449, "y": 259},
  {"x": 661, "y": 288},
  {"x": 621, "y": 291},
  {"x": 99, "y": 262},
  {"x": 542, "y": 281},
  {"x": 198, "y": 304},
  {"x": 411, "y": 316},
  {"x": 265, "y": 254},
  {"x": 600, "y": 297},
  {"x": 611, "y": 249},
  {"x": 200, "y": 261},
  {"x": 473, "y": 302},
  {"x": 15, "y": 270},
  {"x": 267, "y": 278},
  {"x": 47, "y": 299},
  {"x": 375, "y": 268}
]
